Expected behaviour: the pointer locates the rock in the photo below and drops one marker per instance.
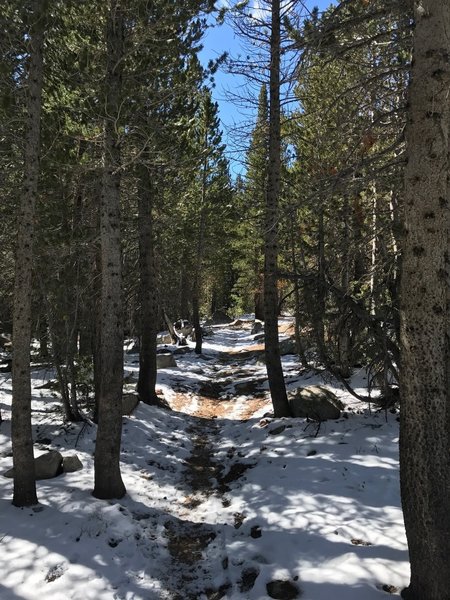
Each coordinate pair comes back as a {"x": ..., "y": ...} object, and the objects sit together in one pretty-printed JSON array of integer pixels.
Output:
[
  {"x": 248, "y": 578},
  {"x": 132, "y": 347},
  {"x": 246, "y": 388},
  {"x": 255, "y": 532},
  {"x": 277, "y": 430},
  {"x": 315, "y": 402},
  {"x": 287, "y": 346},
  {"x": 219, "y": 318},
  {"x": 129, "y": 403},
  {"x": 165, "y": 361},
  {"x": 282, "y": 590},
  {"x": 259, "y": 337},
  {"x": 71, "y": 464},
  {"x": 164, "y": 338},
  {"x": 258, "y": 326},
  {"x": 182, "y": 350},
  {"x": 46, "y": 466},
  {"x": 6, "y": 366}
]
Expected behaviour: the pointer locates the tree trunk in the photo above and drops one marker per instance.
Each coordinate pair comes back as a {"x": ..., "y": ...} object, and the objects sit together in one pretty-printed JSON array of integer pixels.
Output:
[
  {"x": 425, "y": 311},
  {"x": 147, "y": 291},
  {"x": 21, "y": 432},
  {"x": 196, "y": 285},
  {"x": 272, "y": 346},
  {"x": 108, "y": 480},
  {"x": 344, "y": 319}
]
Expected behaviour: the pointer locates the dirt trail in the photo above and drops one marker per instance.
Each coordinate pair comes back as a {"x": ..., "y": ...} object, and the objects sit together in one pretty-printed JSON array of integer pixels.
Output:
[{"x": 192, "y": 544}]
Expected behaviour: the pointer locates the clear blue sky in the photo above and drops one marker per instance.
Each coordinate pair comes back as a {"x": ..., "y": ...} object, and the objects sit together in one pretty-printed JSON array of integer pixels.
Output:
[{"x": 222, "y": 39}]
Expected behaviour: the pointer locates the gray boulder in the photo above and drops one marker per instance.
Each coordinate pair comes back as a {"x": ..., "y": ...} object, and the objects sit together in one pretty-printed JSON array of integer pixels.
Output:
[
  {"x": 165, "y": 360},
  {"x": 129, "y": 403},
  {"x": 287, "y": 346},
  {"x": 46, "y": 466},
  {"x": 71, "y": 464},
  {"x": 315, "y": 402}
]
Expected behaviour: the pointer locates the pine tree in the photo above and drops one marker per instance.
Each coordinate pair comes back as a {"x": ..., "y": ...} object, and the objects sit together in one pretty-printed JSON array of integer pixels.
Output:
[
  {"x": 21, "y": 434},
  {"x": 251, "y": 206},
  {"x": 425, "y": 311},
  {"x": 108, "y": 480}
]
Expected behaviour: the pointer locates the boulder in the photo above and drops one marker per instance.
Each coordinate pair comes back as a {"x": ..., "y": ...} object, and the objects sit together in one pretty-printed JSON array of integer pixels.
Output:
[
  {"x": 315, "y": 402},
  {"x": 282, "y": 590},
  {"x": 165, "y": 360},
  {"x": 259, "y": 337},
  {"x": 129, "y": 403},
  {"x": 46, "y": 466},
  {"x": 71, "y": 464},
  {"x": 258, "y": 326},
  {"x": 219, "y": 318},
  {"x": 287, "y": 346},
  {"x": 164, "y": 338}
]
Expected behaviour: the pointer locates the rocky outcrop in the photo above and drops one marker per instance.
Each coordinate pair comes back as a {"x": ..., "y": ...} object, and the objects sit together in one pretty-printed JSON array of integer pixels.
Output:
[{"x": 315, "y": 402}]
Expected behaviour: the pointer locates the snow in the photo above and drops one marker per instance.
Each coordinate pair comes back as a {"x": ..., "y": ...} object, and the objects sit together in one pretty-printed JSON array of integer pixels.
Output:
[{"x": 319, "y": 507}]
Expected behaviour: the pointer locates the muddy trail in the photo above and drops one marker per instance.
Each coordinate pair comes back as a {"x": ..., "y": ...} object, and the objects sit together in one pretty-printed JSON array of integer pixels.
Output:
[{"x": 230, "y": 386}]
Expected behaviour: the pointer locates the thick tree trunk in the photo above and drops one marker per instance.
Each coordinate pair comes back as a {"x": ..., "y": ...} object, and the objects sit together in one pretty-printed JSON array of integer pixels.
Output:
[
  {"x": 272, "y": 346},
  {"x": 21, "y": 432},
  {"x": 108, "y": 480},
  {"x": 425, "y": 311},
  {"x": 147, "y": 291}
]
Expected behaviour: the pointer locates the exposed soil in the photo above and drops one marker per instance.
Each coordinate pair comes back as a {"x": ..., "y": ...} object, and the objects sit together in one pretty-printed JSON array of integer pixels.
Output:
[{"x": 188, "y": 541}]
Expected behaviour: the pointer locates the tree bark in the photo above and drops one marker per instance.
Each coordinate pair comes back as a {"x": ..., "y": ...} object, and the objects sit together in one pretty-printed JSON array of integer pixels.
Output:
[
  {"x": 147, "y": 291},
  {"x": 272, "y": 346},
  {"x": 21, "y": 432},
  {"x": 425, "y": 311},
  {"x": 108, "y": 480},
  {"x": 197, "y": 283}
]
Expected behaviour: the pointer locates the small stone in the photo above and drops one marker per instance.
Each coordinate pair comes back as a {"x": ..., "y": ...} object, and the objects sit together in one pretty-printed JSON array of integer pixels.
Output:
[
  {"x": 256, "y": 532},
  {"x": 277, "y": 430},
  {"x": 282, "y": 590},
  {"x": 312, "y": 453}
]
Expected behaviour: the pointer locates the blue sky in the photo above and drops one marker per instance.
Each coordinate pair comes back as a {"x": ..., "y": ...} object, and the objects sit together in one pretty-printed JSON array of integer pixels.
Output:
[{"x": 221, "y": 39}]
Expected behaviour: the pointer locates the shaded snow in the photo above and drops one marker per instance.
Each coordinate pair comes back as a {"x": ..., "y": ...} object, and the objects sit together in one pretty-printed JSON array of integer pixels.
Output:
[{"x": 317, "y": 507}]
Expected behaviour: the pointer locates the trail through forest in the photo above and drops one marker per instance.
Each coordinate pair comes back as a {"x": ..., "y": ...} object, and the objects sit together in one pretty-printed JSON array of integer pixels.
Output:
[{"x": 223, "y": 500}]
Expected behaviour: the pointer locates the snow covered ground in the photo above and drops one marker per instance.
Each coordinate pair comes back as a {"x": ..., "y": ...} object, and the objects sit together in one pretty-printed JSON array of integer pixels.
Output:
[{"x": 221, "y": 500}]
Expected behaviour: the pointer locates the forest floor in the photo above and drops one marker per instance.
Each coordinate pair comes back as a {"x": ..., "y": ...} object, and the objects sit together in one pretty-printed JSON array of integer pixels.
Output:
[{"x": 223, "y": 501}]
